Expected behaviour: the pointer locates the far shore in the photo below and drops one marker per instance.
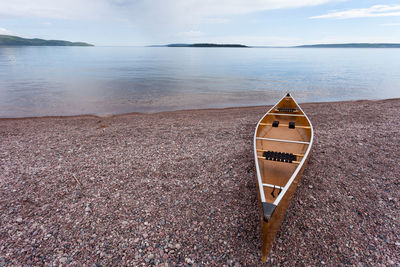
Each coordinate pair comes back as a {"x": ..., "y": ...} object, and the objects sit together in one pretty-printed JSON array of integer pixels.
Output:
[{"x": 179, "y": 188}]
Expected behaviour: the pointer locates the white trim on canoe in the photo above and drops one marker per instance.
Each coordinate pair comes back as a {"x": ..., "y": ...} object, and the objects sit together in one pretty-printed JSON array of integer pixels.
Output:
[
  {"x": 282, "y": 140},
  {"x": 286, "y": 187}
]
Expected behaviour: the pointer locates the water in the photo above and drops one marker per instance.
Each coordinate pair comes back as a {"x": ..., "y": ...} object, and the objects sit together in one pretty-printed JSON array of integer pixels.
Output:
[{"x": 38, "y": 81}]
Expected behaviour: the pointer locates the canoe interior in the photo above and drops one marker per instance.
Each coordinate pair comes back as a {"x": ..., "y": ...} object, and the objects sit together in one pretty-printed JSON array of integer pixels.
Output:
[{"x": 275, "y": 172}]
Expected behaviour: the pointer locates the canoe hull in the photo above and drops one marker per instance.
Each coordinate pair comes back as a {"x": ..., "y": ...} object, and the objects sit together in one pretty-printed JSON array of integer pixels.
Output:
[{"x": 282, "y": 144}]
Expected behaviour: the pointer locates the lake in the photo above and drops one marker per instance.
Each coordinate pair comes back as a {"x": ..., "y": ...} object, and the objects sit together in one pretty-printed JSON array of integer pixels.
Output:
[{"x": 38, "y": 81}]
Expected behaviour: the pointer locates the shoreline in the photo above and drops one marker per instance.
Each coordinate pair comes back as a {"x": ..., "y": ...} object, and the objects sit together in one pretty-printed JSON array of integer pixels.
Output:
[
  {"x": 179, "y": 188},
  {"x": 180, "y": 110}
]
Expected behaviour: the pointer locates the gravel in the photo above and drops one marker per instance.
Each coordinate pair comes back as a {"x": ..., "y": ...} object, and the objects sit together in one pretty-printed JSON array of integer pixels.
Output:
[{"x": 178, "y": 188}]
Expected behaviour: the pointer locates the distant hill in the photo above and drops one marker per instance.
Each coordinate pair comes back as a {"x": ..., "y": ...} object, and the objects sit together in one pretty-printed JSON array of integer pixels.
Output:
[
  {"x": 8, "y": 40},
  {"x": 178, "y": 45},
  {"x": 352, "y": 45},
  {"x": 199, "y": 45},
  {"x": 217, "y": 45}
]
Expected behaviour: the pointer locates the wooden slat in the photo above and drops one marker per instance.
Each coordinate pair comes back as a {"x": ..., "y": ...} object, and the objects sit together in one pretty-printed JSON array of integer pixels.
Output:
[
  {"x": 285, "y": 125},
  {"x": 286, "y": 114},
  {"x": 281, "y": 140}
]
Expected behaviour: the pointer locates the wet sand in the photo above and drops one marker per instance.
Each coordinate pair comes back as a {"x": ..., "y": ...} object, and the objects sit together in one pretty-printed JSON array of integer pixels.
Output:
[{"x": 179, "y": 188}]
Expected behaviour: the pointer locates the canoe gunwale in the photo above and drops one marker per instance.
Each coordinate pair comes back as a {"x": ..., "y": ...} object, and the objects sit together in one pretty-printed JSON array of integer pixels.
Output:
[{"x": 269, "y": 209}]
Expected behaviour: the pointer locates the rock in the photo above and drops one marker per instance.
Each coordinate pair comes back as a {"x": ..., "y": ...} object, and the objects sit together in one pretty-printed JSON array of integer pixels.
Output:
[
  {"x": 63, "y": 260},
  {"x": 19, "y": 220},
  {"x": 156, "y": 198}
]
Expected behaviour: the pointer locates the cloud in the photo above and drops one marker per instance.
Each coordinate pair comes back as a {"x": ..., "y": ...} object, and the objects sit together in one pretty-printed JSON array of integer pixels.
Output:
[
  {"x": 63, "y": 9},
  {"x": 4, "y": 31},
  {"x": 374, "y": 11},
  {"x": 150, "y": 20},
  {"x": 232, "y": 7},
  {"x": 206, "y": 10}
]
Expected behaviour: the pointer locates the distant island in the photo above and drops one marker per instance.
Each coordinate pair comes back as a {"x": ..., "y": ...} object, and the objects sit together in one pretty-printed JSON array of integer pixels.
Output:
[
  {"x": 8, "y": 40},
  {"x": 200, "y": 45},
  {"x": 351, "y": 45},
  {"x": 348, "y": 45}
]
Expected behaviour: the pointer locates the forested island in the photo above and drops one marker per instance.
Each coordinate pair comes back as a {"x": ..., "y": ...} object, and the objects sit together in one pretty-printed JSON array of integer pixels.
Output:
[
  {"x": 200, "y": 45},
  {"x": 9, "y": 40},
  {"x": 347, "y": 45}
]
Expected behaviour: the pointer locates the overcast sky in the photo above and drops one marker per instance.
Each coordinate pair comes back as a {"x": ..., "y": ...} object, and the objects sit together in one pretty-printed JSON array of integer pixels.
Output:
[{"x": 250, "y": 22}]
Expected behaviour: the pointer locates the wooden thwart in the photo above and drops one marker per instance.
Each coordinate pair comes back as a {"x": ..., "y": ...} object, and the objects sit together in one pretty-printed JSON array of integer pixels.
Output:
[
  {"x": 286, "y": 114},
  {"x": 281, "y": 140},
  {"x": 285, "y": 125}
]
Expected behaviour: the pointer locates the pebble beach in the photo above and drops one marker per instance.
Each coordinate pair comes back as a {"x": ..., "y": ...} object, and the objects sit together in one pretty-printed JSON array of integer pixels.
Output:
[{"x": 178, "y": 189}]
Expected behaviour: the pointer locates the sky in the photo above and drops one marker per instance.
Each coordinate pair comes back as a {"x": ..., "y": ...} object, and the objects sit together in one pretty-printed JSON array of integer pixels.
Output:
[{"x": 249, "y": 22}]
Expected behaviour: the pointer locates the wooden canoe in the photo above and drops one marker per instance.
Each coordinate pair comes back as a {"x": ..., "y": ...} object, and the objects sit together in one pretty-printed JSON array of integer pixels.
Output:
[{"x": 282, "y": 144}]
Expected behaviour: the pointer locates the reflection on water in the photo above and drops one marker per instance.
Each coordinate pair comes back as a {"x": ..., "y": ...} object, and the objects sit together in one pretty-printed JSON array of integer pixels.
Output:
[{"x": 36, "y": 81}]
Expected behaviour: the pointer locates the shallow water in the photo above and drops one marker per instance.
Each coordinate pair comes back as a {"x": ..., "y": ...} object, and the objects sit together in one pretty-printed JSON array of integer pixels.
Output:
[{"x": 37, "y": 81}]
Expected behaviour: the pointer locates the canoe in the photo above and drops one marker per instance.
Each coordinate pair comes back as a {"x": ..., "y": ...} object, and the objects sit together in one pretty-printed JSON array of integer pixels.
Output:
[{"x": 282, "y": 144}]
